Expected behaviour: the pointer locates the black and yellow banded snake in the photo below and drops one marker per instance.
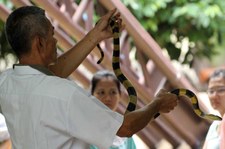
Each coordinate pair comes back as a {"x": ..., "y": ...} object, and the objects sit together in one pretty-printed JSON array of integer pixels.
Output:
[{"x": 129, "y": 87}]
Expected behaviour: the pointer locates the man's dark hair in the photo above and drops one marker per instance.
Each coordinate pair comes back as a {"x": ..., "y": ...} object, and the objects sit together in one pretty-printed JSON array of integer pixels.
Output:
[{"x": 23, "y": 25}]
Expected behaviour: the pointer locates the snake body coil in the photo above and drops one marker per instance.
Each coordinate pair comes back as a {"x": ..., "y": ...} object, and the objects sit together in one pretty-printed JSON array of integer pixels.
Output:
[
  {"x": 116, "y": 67},
  {"x": 195, "y": 105},
  {"x": 131, "y": 90}
]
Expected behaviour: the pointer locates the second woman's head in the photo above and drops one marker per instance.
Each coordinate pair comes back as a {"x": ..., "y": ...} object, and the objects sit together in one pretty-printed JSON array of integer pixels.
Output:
[{"x": 106, "y": 87}]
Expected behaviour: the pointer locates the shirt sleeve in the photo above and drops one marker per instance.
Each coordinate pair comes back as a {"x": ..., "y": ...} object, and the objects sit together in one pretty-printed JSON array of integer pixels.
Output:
[
  {"x": 211, "y": 130},
  {"x": 131, "y": 143},
  {"x": 222, "y": 134},
  {"x": 91, "y": 121}
]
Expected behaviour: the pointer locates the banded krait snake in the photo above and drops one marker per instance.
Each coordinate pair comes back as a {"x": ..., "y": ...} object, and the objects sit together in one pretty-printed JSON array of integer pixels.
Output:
[{"x": 131, "y": 90}]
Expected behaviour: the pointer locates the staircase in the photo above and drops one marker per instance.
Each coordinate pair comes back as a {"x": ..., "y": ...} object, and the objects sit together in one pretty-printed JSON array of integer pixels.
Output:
[{"x": 149, "y": 71}]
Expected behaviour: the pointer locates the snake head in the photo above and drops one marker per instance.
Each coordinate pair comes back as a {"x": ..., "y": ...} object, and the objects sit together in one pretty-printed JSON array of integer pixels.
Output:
[{"x": 114, "y": 24}]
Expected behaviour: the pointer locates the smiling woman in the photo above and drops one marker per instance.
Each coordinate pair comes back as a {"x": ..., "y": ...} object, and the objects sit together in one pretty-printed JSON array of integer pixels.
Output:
[
  {"x": 216, "y": 93},
  {"x": 216, "y": 90}
]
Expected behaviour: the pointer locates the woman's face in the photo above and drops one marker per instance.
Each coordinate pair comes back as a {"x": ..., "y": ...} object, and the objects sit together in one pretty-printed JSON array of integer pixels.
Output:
[
  {"x": 107, "y": 92},
  {"x": 216, "y": 93}
]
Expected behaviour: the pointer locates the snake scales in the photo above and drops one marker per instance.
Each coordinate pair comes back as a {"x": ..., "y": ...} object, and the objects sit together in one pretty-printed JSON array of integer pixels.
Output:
[{"x": 131, "y": 90}]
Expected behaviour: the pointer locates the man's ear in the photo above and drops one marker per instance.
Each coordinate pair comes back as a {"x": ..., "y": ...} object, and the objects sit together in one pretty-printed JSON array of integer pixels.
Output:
[
  {"x": 39, "y": 46},
  {"x": 39, "y": 41}
]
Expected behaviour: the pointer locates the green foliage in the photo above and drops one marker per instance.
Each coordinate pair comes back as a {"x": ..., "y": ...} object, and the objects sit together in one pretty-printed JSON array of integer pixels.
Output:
[
  {"x": 7, "y": 3},
  {"x": 77, "y": 1},
  {"x": 202, "y": 22}
]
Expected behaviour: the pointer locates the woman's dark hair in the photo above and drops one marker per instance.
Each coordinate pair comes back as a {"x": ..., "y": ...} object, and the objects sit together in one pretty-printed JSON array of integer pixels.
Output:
[
  {"x": 23, "y": 25},
  {"x": 100, "y": 75}
]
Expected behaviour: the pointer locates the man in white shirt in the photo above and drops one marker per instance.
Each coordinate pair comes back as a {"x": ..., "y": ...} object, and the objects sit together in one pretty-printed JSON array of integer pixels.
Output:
[{"x": 44, "y": 111}]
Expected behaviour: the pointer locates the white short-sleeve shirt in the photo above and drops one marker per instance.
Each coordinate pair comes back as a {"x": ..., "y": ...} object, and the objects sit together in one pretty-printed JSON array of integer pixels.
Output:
[
  {"x": 213, "y": 138},
  {"x": 48, "y": 112}
]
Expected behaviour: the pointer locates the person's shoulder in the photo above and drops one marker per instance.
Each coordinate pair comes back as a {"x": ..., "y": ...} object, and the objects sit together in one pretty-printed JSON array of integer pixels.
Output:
[
  {"x": 52, "y": 87},
  {"x": 5, "y": 73},
  {"x": 57, "y": 81},
  {"x": 59, "y": 86}
]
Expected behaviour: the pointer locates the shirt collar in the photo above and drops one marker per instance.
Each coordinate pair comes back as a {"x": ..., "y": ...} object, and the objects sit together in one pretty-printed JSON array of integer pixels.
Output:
[{"x": 31, "y": 69}]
